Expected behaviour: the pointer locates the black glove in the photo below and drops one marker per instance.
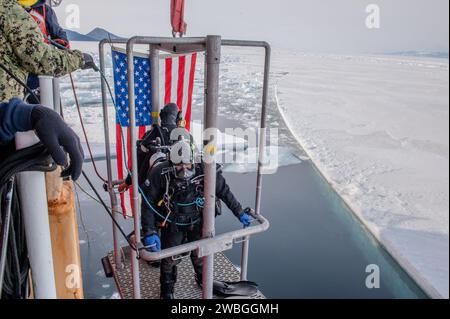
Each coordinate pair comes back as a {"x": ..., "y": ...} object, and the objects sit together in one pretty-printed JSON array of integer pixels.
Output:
[
  {"x": 56, "y": 136},
  {"x": 89, "y": 62}
]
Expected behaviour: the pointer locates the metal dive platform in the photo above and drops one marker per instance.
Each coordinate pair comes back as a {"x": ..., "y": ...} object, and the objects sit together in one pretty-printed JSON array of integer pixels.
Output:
[
  {"x": 131, "y": 269},
  {"x": 186, "y": 286}
]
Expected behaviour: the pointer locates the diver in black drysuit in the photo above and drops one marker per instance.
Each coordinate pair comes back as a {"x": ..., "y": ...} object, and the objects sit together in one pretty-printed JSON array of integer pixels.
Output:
[
  {"x": 170, "y": 117},
  {"x": 185, "y": 186}
]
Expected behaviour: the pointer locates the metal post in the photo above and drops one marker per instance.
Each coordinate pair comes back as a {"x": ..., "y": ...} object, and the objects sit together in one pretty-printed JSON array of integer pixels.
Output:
[
  {"x": 154, "y": 70},
  {"x": 33, "y": 200},
  {"x": 213, "y": 49},
  {"x": 134, "y": 165},
  {"x": 262, "y": 144},
  {"x": 112, "y": 196},
  {"x": 56, "y": 96}
]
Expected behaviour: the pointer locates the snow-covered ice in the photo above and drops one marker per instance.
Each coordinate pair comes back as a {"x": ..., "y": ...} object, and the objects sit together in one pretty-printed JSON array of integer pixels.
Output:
[{"x": 377, "y": 127}]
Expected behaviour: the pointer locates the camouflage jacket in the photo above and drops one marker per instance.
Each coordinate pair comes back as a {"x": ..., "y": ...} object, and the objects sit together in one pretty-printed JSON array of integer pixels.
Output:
[{"x": 23, "y": 51}]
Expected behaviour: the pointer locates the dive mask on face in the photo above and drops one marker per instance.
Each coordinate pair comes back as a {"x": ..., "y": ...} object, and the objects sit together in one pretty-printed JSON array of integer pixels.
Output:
[{"x": 185, "y": 171}]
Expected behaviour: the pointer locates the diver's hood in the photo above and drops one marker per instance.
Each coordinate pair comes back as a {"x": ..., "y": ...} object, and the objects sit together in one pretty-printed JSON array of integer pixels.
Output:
[{"x": 169, "y": 115}]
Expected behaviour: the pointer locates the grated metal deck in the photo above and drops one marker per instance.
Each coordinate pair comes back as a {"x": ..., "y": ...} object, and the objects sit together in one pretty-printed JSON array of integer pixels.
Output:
[{"x": 185, "y": 288}]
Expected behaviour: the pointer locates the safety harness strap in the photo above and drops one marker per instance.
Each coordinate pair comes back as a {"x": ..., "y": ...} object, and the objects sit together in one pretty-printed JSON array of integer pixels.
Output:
[{"x": 41, "y": 21}]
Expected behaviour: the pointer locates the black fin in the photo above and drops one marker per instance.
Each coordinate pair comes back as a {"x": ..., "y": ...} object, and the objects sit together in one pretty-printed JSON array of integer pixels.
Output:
[{"x": 238, "y": 288}]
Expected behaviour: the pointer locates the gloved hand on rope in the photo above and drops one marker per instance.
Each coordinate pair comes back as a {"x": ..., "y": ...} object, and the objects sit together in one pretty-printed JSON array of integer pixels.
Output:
[
  {"x": 89, "y": 62},
  {"x": 58, "y": 137},
  {"x": 152, "y": 243},
  {"x": 245, "y": 218}
]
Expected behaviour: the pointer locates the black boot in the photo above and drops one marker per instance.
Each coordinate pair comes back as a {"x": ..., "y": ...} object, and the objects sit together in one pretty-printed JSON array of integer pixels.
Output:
[
  {"x": 168, "y": 280},
  {"x": 199, "y": 280},
  {"x": 198, "y": 269}
]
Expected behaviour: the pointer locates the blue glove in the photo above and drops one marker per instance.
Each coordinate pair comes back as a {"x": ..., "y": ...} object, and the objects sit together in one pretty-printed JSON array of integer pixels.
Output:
[
  {"x": 152, "y": 243},
  {"x": 244, "y": 218}
]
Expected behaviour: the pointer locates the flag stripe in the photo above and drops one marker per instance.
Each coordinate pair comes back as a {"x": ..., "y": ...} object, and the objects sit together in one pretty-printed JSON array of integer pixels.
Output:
[
  {"x": 120, "y": 164},
  {"x": 128, "y": 147},
  {"x": 174, "y": 80},
  {"x": 130, "y": 192},
  {"x": 168, "y": 82},
  {"x": 185, "y": 88},
  {"x": 190, "y": 91},
  {"x": 180, "y": 90},
  {"x": 142, "y": 130}
]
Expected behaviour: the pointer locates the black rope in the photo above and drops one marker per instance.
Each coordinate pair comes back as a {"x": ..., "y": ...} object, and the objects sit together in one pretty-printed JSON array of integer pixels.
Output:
[
  {"x": 34, "y": 158},
  {"x": 24, "y": 85},
  {"x": 131, "y": 244},
  {"x": 15, "y": 284}
]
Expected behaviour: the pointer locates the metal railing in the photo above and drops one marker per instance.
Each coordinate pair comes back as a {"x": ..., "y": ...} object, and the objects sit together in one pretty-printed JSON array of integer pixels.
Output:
[{"x": 210, "y": 244}]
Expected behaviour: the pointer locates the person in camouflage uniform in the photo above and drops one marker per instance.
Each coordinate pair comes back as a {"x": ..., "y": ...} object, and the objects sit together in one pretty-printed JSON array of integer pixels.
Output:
[{"x": 23, "y": 51}]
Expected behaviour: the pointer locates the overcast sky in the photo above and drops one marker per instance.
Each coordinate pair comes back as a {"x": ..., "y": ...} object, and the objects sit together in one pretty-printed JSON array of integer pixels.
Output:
[{"x": 309, "y": 25}]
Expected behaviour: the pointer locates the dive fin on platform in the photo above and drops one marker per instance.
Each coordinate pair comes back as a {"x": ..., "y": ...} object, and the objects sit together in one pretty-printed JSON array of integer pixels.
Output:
[{"x": 238, "y": 288}]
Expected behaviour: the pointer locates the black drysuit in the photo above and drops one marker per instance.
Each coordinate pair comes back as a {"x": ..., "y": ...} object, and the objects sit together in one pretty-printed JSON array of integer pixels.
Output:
[
  {"x": 169, "y": 122},
  {"x": 188, "y": 218}
]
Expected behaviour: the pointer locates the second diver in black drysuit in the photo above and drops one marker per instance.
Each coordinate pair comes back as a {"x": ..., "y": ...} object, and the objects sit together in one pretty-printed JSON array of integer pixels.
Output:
[{"x": 170, "y": 117}]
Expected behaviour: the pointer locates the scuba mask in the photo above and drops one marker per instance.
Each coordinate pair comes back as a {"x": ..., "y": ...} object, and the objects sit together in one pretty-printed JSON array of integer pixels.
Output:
[
  {"x": 185, "y": 171},
  {"x": 182, "y": 158}
]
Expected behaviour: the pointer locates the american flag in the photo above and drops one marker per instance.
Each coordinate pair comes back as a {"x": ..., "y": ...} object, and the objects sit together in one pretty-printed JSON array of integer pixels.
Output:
[{"x": 177, "y": 75}]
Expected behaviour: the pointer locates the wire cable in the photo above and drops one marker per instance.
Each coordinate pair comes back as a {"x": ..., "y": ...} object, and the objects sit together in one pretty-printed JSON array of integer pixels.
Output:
[
  {"x": 102, "y": 202},
  {"x": 84, "y": 131},
  {"x": 26, "y": 87}
]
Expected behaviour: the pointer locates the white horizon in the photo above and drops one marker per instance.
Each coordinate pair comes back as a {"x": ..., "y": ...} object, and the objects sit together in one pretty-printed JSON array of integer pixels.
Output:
[{"x": 326, "y": 26}]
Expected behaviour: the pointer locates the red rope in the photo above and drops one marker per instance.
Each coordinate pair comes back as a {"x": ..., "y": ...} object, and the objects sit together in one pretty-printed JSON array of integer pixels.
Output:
[{"x": 84, "y": 130}]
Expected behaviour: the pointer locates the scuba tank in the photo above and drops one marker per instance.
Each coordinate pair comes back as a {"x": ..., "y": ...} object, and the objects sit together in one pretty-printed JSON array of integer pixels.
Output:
[
  {"x": 157, "y": 158},
  {"x": 151, "y": 143}
]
